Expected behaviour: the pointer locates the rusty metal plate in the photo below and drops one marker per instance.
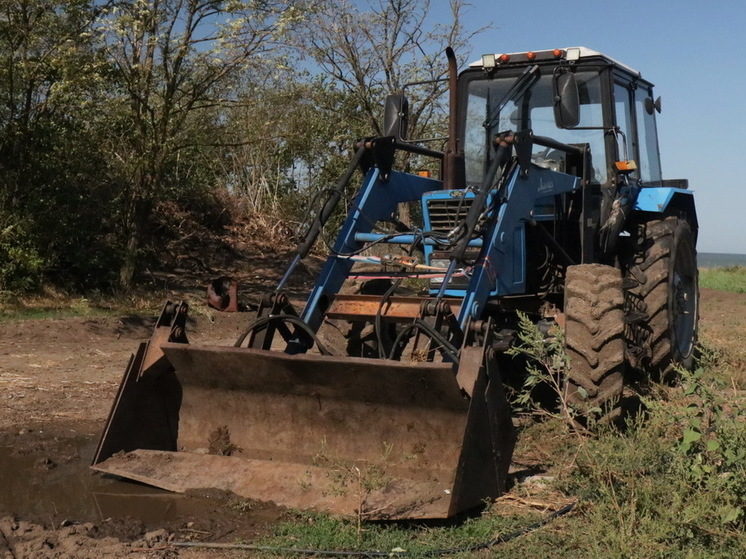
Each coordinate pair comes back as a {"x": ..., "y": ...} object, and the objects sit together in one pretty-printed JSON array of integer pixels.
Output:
[
  {"x": 377, "y": 494},
  {"x": 295, "y": 407},
  {"x": 305, "y": 430},
  {"x": 399, "y": 439},
  {"x": 366, "y": 307}
]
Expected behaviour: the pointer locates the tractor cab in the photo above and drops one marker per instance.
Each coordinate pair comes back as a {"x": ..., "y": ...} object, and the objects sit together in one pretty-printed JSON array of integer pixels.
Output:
[{"x": 614, "y": 112}]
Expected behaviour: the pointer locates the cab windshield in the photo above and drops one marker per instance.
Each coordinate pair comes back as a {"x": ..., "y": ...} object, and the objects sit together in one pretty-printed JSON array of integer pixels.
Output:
[{"x": 534, "y": 109}]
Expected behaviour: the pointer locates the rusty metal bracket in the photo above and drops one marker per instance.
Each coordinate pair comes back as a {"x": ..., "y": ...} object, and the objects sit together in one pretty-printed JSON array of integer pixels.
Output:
[
  {"x": 222, "y": 294},
  {"x": 146, "y": 409},
  {"x": 261, "y": 337},
  {"x": 170, "y": 327},
  {"x": 490, "y": 421},
  {"x": 380, "y": 153}
]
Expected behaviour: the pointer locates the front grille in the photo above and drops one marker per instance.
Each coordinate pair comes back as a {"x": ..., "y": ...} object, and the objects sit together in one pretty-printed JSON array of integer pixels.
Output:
[{"x": 447, "y": 213}]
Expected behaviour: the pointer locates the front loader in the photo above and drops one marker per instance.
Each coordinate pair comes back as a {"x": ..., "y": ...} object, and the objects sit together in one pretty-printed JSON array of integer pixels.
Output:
[{"x": 550, "y": 205}]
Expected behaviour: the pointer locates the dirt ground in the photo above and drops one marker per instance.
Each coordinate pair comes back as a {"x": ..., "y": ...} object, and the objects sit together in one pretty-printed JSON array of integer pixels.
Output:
[{"x": 58, "y": 378}]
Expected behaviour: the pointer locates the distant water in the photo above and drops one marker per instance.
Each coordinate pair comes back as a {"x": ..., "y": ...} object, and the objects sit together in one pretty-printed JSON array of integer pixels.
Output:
[{"x": 720, "y": 260}]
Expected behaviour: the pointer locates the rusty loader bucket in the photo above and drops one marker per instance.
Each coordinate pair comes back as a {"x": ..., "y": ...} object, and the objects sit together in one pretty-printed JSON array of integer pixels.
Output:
[{"x": 379, "y": 438}]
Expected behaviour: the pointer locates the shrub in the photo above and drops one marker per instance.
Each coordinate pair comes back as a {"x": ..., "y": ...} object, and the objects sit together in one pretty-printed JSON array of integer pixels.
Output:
[{"x": 20, "y": 264}]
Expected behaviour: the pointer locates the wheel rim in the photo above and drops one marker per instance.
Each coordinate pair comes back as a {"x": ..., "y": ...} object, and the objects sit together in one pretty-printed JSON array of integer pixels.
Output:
[{"x": 684, "y": 300}]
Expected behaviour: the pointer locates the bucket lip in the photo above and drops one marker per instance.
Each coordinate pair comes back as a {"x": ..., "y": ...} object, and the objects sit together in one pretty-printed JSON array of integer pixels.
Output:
[{"x": 313, "y": 357}]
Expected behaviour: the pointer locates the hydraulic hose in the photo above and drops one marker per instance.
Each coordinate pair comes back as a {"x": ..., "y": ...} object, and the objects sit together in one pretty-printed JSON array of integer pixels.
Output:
[
  {"x": 331, "y": 203},
  {"x": 305, "y": 244},
  {"x": 504, "y": 147}
]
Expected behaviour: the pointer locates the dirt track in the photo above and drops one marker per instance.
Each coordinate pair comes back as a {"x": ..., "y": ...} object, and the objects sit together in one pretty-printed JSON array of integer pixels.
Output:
[{"x": 58, "y": 378}]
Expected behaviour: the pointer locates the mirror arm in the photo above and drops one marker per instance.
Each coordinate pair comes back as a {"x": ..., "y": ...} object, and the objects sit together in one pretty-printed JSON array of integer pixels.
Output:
[{"x": 370, "y": 144}]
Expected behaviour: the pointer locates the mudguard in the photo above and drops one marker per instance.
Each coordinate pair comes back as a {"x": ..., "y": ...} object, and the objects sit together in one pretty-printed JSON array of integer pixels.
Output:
[{"x": 665, "y": 199}]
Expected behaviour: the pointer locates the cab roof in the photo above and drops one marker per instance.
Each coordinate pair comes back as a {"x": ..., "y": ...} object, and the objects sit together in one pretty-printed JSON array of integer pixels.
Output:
[{"x": 567, "y": 53}]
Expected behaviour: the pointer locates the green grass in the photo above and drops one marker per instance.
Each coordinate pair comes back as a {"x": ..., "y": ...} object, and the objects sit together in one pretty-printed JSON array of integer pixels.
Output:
[
  {"x": 730, "y": 278},
  {"x": 324, "y": 532},
  {"x": 50, "y": 311}
]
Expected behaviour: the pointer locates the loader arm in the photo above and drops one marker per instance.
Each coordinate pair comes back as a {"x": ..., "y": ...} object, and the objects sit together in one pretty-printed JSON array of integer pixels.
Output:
[
  {"x": 501, "y": 266},
  {"x": 375, "y": 201}
]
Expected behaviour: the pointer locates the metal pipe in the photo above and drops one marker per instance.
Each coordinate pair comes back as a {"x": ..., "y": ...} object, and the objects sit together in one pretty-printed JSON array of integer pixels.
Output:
[
  {"x": 370, "y": 143},
  {"x": 453, "y": 165},
  {"x": 419, "y": 150},
  {"x": 452, "y": 100}
]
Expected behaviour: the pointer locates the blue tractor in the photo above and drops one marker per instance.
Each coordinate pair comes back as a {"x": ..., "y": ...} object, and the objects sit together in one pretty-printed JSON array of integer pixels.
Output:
[{"x": 550, "y": 207}]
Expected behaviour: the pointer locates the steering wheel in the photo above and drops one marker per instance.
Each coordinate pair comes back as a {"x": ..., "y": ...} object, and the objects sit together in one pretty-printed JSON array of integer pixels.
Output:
[{"x": 547, "y": 159}]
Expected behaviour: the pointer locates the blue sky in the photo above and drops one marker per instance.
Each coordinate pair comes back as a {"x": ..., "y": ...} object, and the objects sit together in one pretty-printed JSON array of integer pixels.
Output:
[{"x": 693, "y": 51}]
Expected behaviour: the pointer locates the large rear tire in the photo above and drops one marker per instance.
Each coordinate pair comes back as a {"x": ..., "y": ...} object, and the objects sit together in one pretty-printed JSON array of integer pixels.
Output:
[
  {"x": 663, "y": 280},
  {"x": 594, "y": 340}
]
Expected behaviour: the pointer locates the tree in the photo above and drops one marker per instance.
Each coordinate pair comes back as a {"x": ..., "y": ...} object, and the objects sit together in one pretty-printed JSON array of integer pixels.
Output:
[
  {"x": 175, "y": 62},
  {"x": 387, "y": 47},
  {"x": 45, "y": 53},
  {"x": 289, "y": 129},
  {"x": 48, "y": 73},
  {"x": 379, "y": 50}
]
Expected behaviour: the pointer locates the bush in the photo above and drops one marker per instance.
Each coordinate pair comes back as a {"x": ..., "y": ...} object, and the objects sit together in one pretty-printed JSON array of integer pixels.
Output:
[
  {"x": 20, "y": 264},
  {"x": 674, "y": 484}
]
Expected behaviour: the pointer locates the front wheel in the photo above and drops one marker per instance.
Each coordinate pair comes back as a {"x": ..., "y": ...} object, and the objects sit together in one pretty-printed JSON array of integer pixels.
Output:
[{"x": 594, "y": 340}]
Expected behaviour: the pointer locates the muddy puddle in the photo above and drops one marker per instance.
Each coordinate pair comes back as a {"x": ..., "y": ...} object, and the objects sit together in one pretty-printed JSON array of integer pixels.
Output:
[{"x": 62, "y": 487}]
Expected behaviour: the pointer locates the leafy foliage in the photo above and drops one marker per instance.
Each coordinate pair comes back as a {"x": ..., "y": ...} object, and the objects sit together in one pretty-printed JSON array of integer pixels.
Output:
[
  {"x": 712, "y": 444},
  {"x": 123, "y": 123},
  {"x": 20, "y": 263},
  {"x": 51, "y": 174},
  {"x": 546, "y": 366}
]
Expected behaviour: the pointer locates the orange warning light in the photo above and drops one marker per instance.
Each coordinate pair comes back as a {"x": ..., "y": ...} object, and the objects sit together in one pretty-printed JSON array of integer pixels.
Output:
[
  {"x": 530, "y": 55},
  {"x": 557, "y": 53},
  {"x": 504, "y": 58},
  {"x": 626, "y": 166},
  {"x": 425, "y": 174}
]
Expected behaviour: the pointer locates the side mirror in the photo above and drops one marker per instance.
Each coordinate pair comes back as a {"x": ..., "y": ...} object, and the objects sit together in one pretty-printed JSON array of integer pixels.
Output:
[
  {"x": 396, "y": 116},
  {"x": 651, "y": 105},
  {"x": 566, "y": 100}
]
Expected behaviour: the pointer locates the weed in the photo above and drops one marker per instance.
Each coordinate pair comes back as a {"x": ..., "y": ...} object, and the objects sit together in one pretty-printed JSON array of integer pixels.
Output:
[
  {"x": 547, "y": 365},
  {"x": 674, "y": 483},
  {"x": 322, "y": 532},
  {"x": 360, "y": 478},
  {"x": 241, "y": 505},
  {"x": 712, "y": 445}
]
